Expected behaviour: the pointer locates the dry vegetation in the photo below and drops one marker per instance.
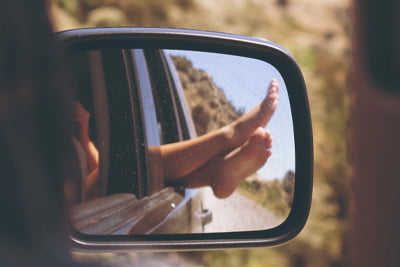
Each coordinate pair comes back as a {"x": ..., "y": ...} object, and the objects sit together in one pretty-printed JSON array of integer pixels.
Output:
[
  {"x": 275, "y": 195},
  {"x": 316, "y": 33},
  {"x": 208, "y": 104},
  {"x": 210, "y": 111}
]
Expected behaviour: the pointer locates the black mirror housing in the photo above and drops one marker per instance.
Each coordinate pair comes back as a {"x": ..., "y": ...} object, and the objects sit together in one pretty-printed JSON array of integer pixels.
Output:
[{"x": 158, "y": 38}]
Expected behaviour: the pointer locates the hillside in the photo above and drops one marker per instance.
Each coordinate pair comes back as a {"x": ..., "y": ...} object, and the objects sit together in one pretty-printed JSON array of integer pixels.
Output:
[
  {"x": 211, "y": 110},
  {"x": 208, "y": 104}
]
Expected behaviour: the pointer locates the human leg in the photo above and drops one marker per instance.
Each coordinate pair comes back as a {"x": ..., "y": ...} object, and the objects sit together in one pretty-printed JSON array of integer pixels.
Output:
[
  {"x": 224, "y": 172},
  {"x": 241, "y": 129},
  {"x": 182, "y": 158}
]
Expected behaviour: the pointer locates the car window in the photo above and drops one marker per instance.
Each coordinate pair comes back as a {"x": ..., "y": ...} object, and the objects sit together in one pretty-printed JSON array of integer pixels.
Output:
[
  {"x": 123, "y": 170},
  {"x": 182, "y": 111},
  {"x": 134, "y": 98},
  {"x": 104, "y": 92},
  {"x": 152, "y": 123},
  {"x": 129, "y": 97},
  {"x": 163, "y": 97}
]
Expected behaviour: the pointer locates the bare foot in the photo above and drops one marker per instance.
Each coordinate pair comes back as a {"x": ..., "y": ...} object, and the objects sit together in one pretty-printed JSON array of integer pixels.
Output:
[
  {"x": 240, "y": 130},
  {"x": 212, "y": 145},
  {"x": 224, "y": 172},
  {"x": 229, "y": 171}
]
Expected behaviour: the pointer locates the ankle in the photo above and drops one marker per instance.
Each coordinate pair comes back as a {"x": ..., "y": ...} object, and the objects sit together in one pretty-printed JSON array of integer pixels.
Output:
[
  {"x": 230, "y": 136},
  {"x": 222, "y": 181}
]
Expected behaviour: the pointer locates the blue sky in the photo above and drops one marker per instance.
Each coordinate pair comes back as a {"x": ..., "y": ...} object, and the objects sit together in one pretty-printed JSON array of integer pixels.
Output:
[{"x": 245, "y": 82}]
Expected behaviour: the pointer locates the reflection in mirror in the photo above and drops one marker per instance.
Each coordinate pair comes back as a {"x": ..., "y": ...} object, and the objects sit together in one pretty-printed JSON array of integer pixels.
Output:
[{"x": 174, "y": 141}]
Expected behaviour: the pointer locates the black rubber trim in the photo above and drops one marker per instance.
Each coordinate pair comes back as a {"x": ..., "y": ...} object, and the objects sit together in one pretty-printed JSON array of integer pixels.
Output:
[{"x": 220, "y": 43}]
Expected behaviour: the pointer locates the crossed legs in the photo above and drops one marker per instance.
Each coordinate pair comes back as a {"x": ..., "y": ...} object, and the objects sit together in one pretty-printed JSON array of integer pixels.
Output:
[{"x": 222, "y": 159}]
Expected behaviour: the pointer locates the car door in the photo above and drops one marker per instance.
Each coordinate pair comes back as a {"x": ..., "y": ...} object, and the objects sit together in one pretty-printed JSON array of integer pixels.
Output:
[
  {"x": 133, "y": 98},
  {"x": 174, "y": 124}
]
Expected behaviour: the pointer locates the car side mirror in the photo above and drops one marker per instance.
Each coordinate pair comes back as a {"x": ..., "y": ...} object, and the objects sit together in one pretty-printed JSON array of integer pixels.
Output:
[{"x": 141, "y": 94}]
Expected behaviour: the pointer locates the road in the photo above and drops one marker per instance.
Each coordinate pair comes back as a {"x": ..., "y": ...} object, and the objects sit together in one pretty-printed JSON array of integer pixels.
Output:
[{"x": 237, "y": 213}]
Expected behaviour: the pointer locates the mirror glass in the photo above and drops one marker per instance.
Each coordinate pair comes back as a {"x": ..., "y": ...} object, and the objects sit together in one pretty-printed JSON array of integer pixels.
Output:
[{"x": 176, "y": 141}]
